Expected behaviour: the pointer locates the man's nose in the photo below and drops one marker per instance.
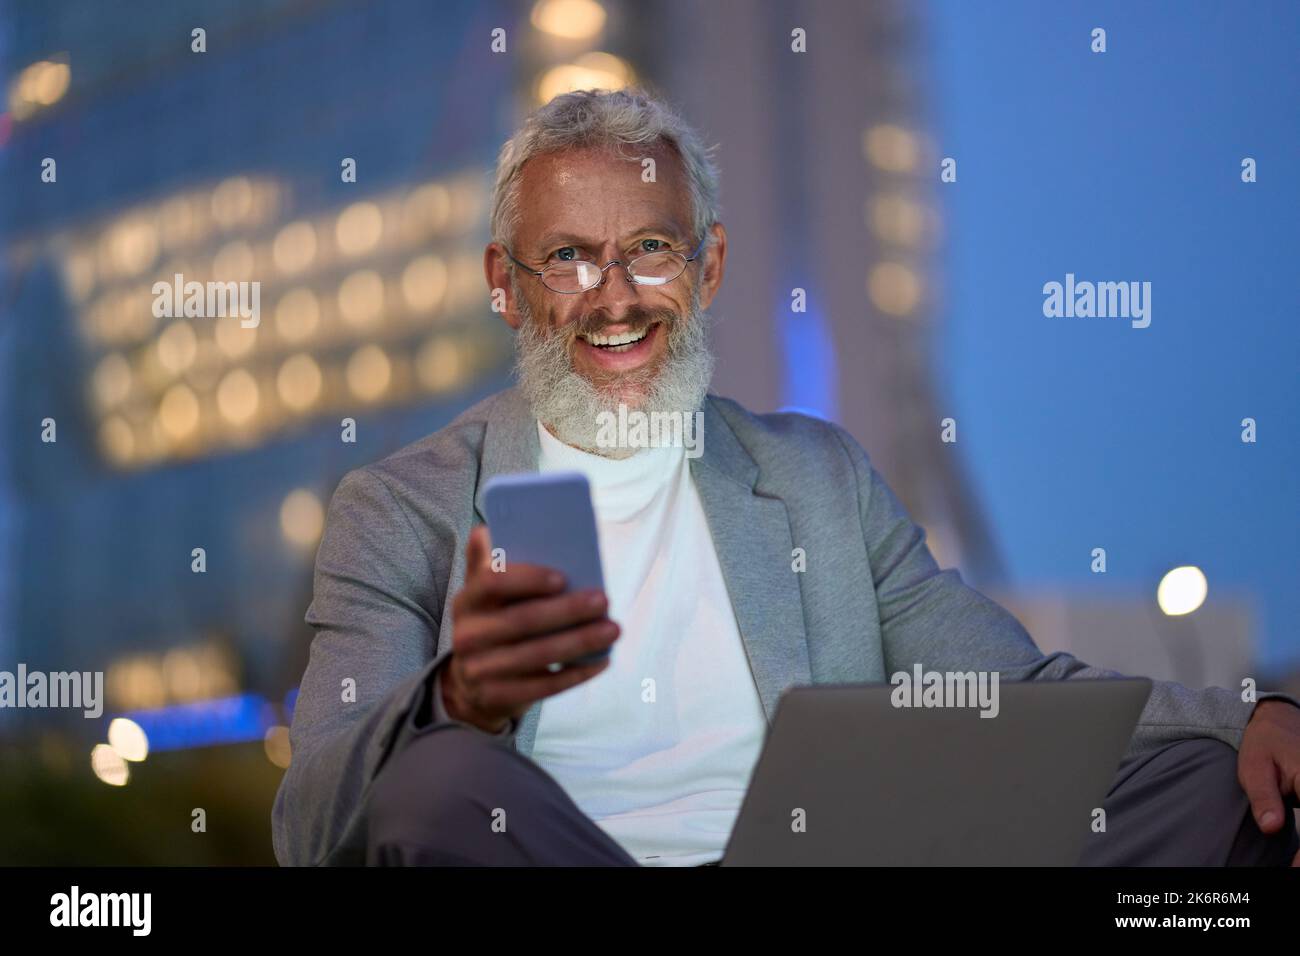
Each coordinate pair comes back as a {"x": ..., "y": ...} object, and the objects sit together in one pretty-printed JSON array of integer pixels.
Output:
[{"x": 617, "y": 293}]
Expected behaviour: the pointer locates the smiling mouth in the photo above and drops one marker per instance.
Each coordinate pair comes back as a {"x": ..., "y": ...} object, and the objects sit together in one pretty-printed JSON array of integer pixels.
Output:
[{"x": 622, "y": 342}]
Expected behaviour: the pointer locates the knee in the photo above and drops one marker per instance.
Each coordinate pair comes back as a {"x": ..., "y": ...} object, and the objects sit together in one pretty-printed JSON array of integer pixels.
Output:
[
  {"x": 445, "y": 779},
  {"x": 1213, "y": 764}
]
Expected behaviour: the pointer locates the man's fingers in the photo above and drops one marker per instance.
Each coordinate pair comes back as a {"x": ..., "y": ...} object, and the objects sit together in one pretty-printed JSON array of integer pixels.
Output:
[
  {"x": 533, "y": 618},
  {"x": 510, "y": 695},
  {"x": 1258, "y": 778},
  {"x": 486, "y": 589},
  {"x": 530, "y": 657},
  {"x": 517, "y": 582}
]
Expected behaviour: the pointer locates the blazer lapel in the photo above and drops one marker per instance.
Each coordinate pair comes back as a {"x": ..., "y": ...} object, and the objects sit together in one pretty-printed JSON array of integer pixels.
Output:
[
  {"x": 510, "y": 444},
  {"x": 751, "y": 535}
]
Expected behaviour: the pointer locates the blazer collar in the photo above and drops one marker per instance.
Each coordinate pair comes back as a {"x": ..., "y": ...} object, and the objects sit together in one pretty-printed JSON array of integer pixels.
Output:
[
  {"x": 510, "y": 443},
  {"x": 754, "y": 543}
]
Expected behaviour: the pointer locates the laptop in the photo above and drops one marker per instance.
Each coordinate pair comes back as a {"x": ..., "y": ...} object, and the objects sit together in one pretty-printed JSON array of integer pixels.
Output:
[{"x": 846, "y": 778}]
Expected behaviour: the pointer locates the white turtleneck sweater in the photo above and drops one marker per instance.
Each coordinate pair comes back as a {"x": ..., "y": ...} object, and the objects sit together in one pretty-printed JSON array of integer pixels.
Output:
[{"x": 658, "y": 748}]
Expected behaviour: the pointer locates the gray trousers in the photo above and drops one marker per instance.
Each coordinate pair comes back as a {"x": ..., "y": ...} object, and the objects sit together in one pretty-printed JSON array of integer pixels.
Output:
[{"x": 454, "y": 796}]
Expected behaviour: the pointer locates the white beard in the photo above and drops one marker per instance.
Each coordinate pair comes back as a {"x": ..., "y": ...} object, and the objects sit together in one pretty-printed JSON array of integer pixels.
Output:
[{"x": 572, "y": 407}]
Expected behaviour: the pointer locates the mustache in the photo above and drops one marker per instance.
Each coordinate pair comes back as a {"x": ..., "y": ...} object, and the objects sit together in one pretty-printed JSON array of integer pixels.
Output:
[{"x": 637, "y": 318}]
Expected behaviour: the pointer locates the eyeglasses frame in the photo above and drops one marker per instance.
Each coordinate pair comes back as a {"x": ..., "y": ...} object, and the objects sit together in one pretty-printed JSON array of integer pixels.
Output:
[{"x": 627, "y": 267}]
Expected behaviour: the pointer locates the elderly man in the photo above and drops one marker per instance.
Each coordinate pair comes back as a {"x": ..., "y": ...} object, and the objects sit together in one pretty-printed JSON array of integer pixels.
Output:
[{"x": 464, "y": 744}]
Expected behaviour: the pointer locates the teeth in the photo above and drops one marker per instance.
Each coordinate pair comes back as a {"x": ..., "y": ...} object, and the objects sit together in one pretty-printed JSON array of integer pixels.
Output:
[{"x": 609, "y": 341}]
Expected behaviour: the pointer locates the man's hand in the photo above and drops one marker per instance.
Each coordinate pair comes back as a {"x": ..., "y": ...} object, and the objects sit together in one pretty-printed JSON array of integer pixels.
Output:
[
  {"x": 1268, "y": 765},
  {"x": 499, "y": 664}
]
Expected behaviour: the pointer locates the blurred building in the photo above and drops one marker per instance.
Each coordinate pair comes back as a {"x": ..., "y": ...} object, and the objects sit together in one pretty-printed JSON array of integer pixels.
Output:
[
  {"x": 180, "y": 432},
  {"x": 176, "y": 433},
  {"x": 829, "y": 186}
]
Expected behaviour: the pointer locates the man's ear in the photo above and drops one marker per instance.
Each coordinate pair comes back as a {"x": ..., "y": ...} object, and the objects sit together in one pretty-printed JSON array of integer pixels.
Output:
[
  {"x": 496, "y": 268},
  {"x": 713, "y": 264}
]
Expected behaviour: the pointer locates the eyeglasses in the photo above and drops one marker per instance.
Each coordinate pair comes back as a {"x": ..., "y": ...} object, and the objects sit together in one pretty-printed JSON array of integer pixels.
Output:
[{"x": 572, "y": 276}]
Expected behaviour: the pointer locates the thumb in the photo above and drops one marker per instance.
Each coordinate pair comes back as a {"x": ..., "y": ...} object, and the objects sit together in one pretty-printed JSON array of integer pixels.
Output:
[
  {"x": 1258, "y": 778},
  {"x": 478, "y": 551}
]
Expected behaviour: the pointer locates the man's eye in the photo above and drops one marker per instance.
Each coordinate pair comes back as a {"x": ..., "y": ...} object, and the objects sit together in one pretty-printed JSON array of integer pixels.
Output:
[
  {"x": 565, "y": 254},
  {"x": 653, "y": 245}
]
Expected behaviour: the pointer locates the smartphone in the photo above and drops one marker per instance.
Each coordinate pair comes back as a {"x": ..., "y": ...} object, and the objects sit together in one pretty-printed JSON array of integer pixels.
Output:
[{"x": 547, "y": 519}]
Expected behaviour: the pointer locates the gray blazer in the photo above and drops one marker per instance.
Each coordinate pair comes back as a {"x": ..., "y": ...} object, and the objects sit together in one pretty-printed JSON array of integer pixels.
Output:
[{"x": 871, "y": 602}]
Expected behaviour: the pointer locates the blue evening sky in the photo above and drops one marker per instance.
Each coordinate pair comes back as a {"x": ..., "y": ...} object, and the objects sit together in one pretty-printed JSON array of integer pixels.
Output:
[{"x": 1085, "y": 432}]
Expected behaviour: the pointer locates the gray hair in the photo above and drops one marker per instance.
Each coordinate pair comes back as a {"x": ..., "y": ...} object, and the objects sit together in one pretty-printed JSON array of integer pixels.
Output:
[{"x": 604, "y": 118}]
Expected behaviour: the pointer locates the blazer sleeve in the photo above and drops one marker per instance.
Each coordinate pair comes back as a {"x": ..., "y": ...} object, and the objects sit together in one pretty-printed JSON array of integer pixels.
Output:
[
  {"x": 370, "y": 679},
  {"x": 931, "y": 617}
]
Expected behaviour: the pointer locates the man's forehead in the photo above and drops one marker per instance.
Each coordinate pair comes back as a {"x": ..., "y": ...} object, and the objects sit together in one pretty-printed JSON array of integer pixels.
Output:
[{"x": 567, "y": 188}]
